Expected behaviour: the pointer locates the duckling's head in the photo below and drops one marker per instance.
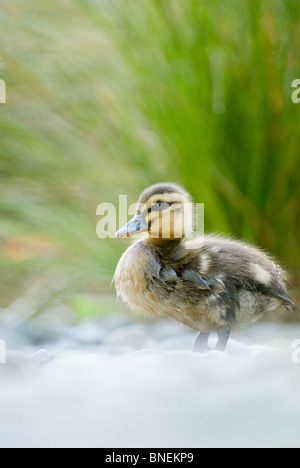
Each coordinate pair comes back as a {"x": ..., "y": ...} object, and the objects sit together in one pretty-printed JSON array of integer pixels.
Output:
[{"x": 164, "y": 211}]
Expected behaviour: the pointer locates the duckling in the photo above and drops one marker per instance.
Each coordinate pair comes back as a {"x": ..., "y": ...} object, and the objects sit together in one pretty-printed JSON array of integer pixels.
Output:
[{"x": 212, "y": 284}]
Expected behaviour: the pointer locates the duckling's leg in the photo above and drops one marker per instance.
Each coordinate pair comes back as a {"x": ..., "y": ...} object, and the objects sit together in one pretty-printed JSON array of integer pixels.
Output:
[
  {"x": 223, "y": 335},
  {"x": 201, "y": 343}
]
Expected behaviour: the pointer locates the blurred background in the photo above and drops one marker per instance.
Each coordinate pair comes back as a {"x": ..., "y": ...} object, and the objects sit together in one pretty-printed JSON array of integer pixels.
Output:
[{"x": 107, "y": 97}]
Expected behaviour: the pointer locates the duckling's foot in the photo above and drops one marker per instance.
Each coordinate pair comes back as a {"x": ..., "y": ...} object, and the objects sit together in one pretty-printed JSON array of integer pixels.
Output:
[
  {"x": 223, "y": 335},
  {"x": 201, "y": 343}
]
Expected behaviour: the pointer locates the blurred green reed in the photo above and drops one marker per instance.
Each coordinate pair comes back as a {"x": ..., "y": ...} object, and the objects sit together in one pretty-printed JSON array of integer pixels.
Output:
[{"x": 107, "y": 97}]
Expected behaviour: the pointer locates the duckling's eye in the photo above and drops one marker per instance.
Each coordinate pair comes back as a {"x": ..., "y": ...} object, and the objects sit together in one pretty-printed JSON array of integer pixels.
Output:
[{"x": 160, "y": 205}]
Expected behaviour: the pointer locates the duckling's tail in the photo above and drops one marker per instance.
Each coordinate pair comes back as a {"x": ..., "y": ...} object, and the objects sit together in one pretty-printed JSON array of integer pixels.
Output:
[
  {"x": 295, "y": 308},
  {"x": 288, "y": 303}
]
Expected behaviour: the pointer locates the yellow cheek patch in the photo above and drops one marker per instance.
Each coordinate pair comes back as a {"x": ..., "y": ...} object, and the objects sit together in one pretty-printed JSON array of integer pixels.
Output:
[{"x": 166, "y": 224}]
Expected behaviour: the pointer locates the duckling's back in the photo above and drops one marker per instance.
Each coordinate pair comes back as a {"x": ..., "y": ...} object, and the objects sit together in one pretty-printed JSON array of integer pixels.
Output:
[{"x": 205, "y": 283}]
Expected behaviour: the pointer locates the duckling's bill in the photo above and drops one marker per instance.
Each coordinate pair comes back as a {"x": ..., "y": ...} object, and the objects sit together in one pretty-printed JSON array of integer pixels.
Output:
[{"x": 136, "y": 224}]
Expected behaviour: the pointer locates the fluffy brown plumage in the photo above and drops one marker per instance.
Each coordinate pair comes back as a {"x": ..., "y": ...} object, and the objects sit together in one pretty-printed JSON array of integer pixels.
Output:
[{"x": 211, "y": 284}]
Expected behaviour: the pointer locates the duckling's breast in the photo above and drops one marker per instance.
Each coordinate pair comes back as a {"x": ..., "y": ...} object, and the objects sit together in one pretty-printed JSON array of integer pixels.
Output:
[
  {"x": 136, "y": 265},
  {"x": 151, "y": 288}
]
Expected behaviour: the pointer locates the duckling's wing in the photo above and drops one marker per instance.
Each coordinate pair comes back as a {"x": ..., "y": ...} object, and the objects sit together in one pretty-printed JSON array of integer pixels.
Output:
[
  {"x": 215, "y": 291},
  {"x": 194, "y": 279}
]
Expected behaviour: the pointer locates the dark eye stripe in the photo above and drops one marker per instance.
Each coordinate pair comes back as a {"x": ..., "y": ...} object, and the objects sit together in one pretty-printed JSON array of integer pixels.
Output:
[{"x": 167, "y": 203}]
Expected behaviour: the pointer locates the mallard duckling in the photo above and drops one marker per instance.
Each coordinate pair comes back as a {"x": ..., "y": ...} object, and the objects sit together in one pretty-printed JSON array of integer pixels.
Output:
[{"x": 210, "y": 283}]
